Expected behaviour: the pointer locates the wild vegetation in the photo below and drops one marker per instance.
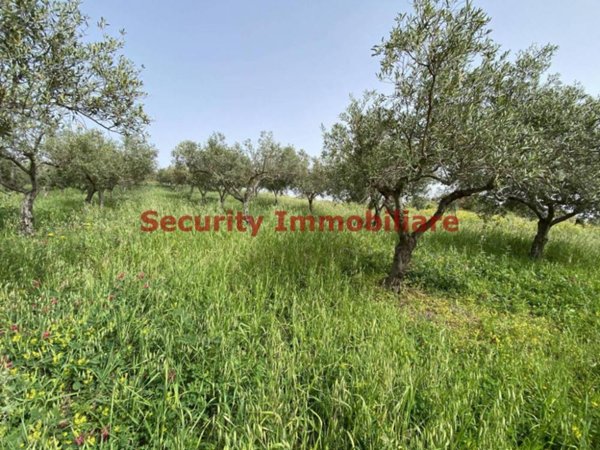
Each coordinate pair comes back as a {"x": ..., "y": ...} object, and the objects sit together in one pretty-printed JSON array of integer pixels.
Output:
[
  {"x": 117, "y": 338},
  {"x": 113, "y": 337}
]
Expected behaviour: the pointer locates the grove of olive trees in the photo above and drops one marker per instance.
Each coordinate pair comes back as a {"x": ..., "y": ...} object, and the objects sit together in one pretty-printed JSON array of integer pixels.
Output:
[
  {"x": 464, "y": 116},
  {"x": 214, "y": 324}
]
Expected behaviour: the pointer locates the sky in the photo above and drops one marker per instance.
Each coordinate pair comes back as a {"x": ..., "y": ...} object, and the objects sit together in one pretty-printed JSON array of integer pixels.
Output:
[{"x": 289, "y": 66}]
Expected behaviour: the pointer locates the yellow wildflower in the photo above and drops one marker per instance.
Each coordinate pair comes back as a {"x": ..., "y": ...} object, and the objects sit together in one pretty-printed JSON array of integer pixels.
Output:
[{"x": 79, "y": 419}]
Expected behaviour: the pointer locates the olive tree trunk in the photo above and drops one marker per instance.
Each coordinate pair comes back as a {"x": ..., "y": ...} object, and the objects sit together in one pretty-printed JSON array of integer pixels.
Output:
[
  {"x": 90, "y": 195},
  {"x": 541, "y": 239},
  {"x": 407, "y": 241},
  {"x": 222, "y": 195},
  {"x": 26, "y": 224},
  {"x": 401, "y": 262}
]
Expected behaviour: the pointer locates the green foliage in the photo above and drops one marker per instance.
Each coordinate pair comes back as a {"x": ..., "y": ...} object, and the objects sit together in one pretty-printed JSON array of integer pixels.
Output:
[
  {"x": 114, "y": 337},
  {"x": 443, "y": 123},
  {"x": 288, "y": 171},
  {"x": 86, "y": 159},
  {"x": 239, "y": 170},
  {"x": 314, "y": 179},
  {"x": 51, "y": 74},
  {"x": 257, "y": 164},
  {"x": 90, "y": 161},
  {"x": 465, "y": 117},
  {"x": 138, "y": 160},
  {"x": 561, "y": 180}
]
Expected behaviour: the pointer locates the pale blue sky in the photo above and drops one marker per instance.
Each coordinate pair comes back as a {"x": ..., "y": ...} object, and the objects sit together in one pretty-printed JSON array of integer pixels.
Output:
[{"x": 289, "y": 66}]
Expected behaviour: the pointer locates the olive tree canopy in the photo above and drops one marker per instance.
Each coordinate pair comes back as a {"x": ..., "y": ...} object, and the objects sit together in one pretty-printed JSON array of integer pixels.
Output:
[
  {"x": 51, "y": 74},
  {"x": 448, "y": 121}
]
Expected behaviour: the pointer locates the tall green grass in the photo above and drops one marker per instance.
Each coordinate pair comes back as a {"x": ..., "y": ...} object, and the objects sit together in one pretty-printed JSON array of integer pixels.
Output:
[{"x": 114, "y": 338}]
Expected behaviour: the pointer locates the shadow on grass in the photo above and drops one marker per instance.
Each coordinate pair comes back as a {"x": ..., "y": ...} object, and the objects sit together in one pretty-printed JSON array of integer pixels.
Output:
[{"x": 501, "y": 243}]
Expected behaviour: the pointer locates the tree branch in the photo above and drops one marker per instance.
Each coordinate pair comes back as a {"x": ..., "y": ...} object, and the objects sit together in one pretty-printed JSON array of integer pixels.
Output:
[
  {"x": 12, "y": 187},
  {"x": 446, "y": 201},
  {"x": 565, "y": 217},
  {"x": 15, "y": 161},
  {"x": 530, "y": 205}
]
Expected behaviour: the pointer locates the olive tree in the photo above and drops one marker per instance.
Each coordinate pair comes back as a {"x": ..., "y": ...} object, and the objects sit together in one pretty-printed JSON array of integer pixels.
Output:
[
  {"x": 172, "y": 176},
  {"x": 222, "y": 164},
  {"x": 448, "y": 121},
  {"x": 11, "y": 176},
  {"x": 563, "y": 180},
  {"x": 89, "y": 160},
  {"x": 139, "y": 160},
  {"x": 189, "y": 157},
  {"x": 313, "y": 180},
  {"x": 51, "y": 73},
  {"x": 252, "y": 166},
  {"x": 86, "y": 160},
  {"x": 286, "y": 174}
]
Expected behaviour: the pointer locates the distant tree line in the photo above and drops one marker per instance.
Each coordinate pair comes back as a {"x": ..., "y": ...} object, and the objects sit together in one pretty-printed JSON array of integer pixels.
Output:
[
  {"x": 86, "y": 159},
  {"x": 240, "y": 170}
]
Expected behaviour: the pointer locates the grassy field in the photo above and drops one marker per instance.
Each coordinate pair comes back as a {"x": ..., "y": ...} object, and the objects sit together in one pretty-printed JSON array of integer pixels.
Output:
[{"x": 114, "y": 338}]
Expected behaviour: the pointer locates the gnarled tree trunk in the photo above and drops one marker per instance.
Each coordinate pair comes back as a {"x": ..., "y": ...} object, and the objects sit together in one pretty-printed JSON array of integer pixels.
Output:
[
  {"x": 401, "y": 262},
  {"x": 26, "y": 224},
  {"x": 541, "y": 238},
  {"x": 90, "y": 195}
]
